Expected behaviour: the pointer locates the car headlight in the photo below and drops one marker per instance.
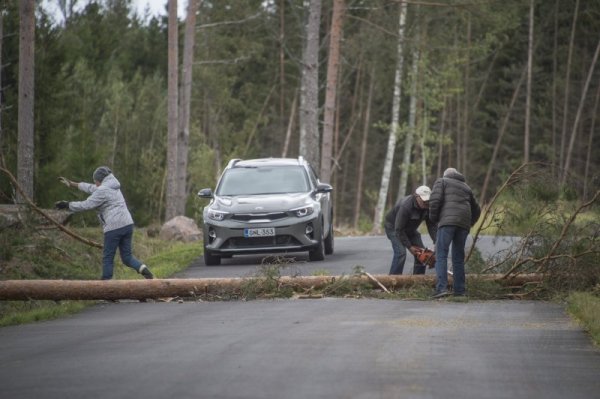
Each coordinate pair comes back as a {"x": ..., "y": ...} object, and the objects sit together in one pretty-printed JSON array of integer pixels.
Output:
[
  {"x": 216, "y": 215},
  {"x": 304, "y": 211}
]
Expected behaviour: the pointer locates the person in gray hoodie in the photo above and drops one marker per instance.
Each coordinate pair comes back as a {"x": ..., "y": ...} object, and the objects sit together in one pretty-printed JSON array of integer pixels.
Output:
[{"x": 106, "y": 198}]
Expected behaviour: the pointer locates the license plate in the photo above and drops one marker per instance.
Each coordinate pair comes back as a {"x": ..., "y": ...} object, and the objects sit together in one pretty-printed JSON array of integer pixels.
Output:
[{"x": 259, "y": 232}]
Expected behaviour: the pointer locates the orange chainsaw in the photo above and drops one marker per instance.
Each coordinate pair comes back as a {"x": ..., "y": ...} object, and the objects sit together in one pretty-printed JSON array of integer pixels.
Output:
[{"x": 426, "y": 256}]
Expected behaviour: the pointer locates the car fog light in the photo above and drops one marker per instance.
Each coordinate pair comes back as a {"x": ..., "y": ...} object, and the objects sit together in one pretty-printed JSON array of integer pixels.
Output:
[
  {"x": 309, "y": 229},
  {"x": 212, "y": 234}
]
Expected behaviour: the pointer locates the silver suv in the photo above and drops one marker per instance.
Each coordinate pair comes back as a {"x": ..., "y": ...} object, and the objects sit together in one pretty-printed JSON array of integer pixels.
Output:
[{"x": 267, "y": 205}]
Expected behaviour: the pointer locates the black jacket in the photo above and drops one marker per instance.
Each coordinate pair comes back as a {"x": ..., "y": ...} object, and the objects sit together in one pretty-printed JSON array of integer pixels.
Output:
[
  {"x": 406, "y": 217},
  {"x": 452, "y": 203}
]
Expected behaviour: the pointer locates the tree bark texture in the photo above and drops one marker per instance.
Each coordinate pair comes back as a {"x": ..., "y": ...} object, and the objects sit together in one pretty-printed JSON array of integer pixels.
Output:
[
  {"x": 412, "y": 126},
  {"x": 391, "y": 147},
  {"x": 563, "y": 136},
  {"x": 22, "y": 290},
  {"x": 309, "y": 89},
  {"x": 185, "y": 106},
  {"x": 333, "y": 65},
  {"x": 25, "y": 153},
  {"x": 526, "y": 149},
  {"x": 171, "y": 192},
  {"x": 363, "y": 151},
  {"x": 578, "y": 114}
]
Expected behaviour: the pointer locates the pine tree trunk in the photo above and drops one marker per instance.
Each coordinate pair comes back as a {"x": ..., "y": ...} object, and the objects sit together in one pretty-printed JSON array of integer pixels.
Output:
[
  {"x": 412, "y": 126},
  {"x": 501, "y": 132},
  {"x": 563, "y": 136},
  {"x": 1, "y": 68},
  {"x": 467, "y": 98},
  {"x": 588, "y": 157},
  {"x": 363, "y": 152},
  {"x": 528, "y": 97},
  {"x": 333, "y": 64},
  {"x": 171, "y": 190},
  {"x": 185, "y": 93},
  {"x": 25, "y": 152},
  {"x": 389, "y": 158},
  {"x": 288, "y": 133},
  {"x": 578, "y": 115},
  {"x": 309, "y": 89}
]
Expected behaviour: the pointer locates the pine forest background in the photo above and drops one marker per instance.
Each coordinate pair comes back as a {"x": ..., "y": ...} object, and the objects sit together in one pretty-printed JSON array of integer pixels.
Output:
[{"x": 466, "y": 100}]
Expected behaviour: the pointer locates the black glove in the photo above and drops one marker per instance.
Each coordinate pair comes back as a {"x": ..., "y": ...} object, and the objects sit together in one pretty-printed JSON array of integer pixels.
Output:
[{"x": 61, "y": 205}]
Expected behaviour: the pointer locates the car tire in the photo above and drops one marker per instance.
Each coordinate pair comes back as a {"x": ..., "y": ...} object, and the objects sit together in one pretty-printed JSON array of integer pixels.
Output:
[
  {"x": 329, "y": 240},
  {"x": 210, "y": 259},
  {"x": 318, "y": 253}
]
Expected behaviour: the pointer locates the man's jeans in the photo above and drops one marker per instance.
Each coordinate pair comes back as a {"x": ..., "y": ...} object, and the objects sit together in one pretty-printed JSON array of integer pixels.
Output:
[
  {"x": 457, "y": 236},
  {"x": 119, "y": 238},
  {"x": 399, "y": 257}
]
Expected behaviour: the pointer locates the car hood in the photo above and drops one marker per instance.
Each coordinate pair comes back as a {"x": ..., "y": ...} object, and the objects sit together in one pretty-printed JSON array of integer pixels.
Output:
[{"x": 262, "y": 203}]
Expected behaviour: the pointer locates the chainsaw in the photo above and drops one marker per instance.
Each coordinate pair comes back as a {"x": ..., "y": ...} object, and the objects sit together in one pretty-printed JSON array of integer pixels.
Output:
[{"x": 426, "y": 257}]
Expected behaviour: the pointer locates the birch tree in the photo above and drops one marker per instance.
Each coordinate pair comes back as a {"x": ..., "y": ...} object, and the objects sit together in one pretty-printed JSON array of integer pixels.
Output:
[
  {"x": 391, "y": 146},
  {"x": 309, "y": 88},
  {"x": 25, "y": 153},
  {"x": 331, "y": 91},
  {"x": 172, "y": 192},
  {"x": 184, "y": 106}
]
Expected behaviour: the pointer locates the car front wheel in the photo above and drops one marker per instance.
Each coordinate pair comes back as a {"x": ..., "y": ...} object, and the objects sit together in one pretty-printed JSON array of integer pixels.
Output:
[
  {"x": 329, "y": 241},
  {"x": 318, "y": 253}
]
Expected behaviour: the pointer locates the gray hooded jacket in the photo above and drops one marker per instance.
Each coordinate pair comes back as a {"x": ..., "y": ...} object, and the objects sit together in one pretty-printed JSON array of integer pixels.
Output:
[{"x": 108, "y": 201}]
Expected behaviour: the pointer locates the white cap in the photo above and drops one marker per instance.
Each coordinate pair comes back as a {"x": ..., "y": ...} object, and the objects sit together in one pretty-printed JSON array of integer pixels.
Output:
[{"x": 424, "y": 192}]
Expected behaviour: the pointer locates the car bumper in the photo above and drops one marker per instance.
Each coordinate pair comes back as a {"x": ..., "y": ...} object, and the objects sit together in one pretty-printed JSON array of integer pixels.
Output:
[{"x": 227, "y": 238}]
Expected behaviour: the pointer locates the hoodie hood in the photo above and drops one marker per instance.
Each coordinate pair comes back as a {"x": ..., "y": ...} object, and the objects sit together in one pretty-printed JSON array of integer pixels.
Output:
[{"x": 111, "y": 182}]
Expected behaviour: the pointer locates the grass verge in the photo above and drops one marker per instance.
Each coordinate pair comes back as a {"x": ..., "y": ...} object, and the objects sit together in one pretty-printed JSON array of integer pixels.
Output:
[
  {"x": 585, "y": 307},
  {"x": 59, "y": 257}
]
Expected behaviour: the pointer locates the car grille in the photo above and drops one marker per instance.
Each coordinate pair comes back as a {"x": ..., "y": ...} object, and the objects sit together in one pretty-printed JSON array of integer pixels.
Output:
[
  {"x": 249, "y": 217},
  {"x": 276, "y": 241}
]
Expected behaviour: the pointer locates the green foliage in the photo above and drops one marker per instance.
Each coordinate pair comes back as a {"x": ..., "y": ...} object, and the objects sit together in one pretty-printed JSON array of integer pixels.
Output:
[{"x": 585, "y": 307}]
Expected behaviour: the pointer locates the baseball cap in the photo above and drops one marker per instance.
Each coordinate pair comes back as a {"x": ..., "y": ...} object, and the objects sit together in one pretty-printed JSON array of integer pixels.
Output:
[{"x": 424, "y": 192}]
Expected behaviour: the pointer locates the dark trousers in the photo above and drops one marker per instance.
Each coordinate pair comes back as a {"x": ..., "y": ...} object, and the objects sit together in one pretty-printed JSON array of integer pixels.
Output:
[
  {"x": 119, "y": 238},
  {"x": 399, "y": 257}
]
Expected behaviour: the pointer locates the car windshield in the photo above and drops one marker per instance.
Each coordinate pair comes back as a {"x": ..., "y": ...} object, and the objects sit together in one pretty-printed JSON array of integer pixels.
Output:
[{"x": 263, "y": 180}]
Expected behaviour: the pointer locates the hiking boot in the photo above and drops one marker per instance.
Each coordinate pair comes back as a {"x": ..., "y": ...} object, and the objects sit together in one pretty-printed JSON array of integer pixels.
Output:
[
  {"x": 144, "y": 271},
  {"x": 440, "y": 294}
]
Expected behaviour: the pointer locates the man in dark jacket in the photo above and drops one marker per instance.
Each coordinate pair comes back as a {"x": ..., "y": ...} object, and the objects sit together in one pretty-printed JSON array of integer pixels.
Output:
[
  {"x": 455, "y": 210},
  {"x": 401, "y": 224}
]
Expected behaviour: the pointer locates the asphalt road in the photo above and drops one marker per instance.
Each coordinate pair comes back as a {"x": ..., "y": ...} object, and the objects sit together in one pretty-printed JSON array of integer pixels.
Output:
[
  {"x": 326, "y": 348},
  {"x": 304, "y": 348},
  {"x": 373, "y": 253}
]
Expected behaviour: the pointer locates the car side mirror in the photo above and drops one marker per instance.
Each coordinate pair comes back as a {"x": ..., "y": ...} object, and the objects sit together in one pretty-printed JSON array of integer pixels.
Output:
[
  {"x": 205, "y": 193},
  {"x": 324, "y": 188}
]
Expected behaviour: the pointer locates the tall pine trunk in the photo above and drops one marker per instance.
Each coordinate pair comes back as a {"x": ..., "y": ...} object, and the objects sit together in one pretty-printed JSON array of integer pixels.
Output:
[
  {"x": 333, "y": 65},
  {"x": 575, "y": 127},
  {"x": 171, "y": 194},
  {"x": 412, "y": 125},
  {"x": 363, "y": 151},
  {"x": 528, "y": 97},
  {"x": 309, "y": 88},
  {"x": 185, "y": 93},
  {"x": 25, "y": 152},
  {"x": 391, "y": 147},
  {"x": 563, "y": 136}
]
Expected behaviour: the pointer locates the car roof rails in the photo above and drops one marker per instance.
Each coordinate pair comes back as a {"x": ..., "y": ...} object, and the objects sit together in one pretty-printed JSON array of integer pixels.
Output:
[{"x": 232, "y": 163}]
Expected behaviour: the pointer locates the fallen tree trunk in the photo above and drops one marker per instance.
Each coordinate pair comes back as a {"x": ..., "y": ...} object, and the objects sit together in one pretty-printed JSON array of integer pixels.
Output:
[{"x": 185, "y": 288}]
